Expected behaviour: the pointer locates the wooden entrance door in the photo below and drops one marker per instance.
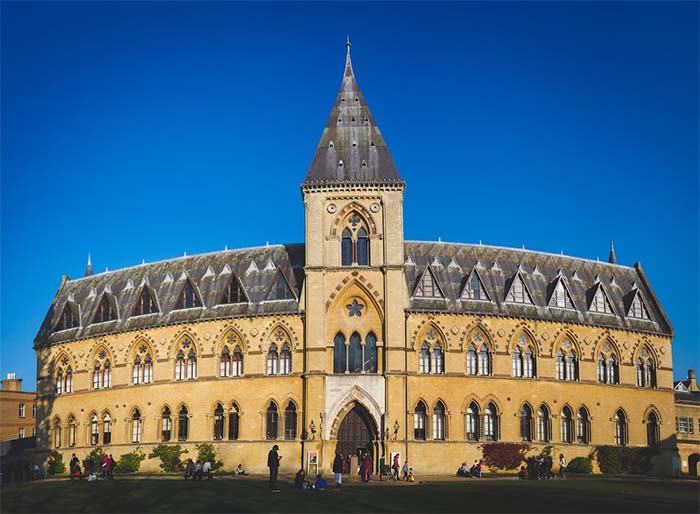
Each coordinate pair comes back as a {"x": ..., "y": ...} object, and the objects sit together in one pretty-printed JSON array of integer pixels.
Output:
[{"x": 356, "y": 434}]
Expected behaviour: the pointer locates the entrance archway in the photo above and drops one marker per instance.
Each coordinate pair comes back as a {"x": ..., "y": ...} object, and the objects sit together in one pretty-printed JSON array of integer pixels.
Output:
[
  {"x": 693, "y": 464},
  {"x": 357, "y": 433}
]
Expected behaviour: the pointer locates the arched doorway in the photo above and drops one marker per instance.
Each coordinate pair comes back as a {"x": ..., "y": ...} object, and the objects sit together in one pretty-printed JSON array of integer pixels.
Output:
[
  {"x": 357, "y": 433},
  {"x": 693, "y": 464}
]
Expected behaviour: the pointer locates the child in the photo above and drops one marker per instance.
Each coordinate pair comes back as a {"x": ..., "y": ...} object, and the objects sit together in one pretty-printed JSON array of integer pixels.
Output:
[{"x": 411, "y": 476}]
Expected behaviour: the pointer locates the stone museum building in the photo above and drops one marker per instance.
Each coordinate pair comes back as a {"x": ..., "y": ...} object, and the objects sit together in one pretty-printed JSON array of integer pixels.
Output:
[{"x": 358, "y": 340}]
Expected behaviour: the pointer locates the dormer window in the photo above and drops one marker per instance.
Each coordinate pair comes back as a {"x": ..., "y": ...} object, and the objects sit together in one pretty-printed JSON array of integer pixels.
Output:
[
  {"x": 146, "y": 303},
  {"x": 105, "y": 311},
  {"x": 234, "y": 292},
  {"x": 518, "y": 292},
  {"x": 600, "y": 302},
  {"x": 68, "y": 318},
  {"x": 280, "y": 290},
  {"x": 188, "y": 298}
]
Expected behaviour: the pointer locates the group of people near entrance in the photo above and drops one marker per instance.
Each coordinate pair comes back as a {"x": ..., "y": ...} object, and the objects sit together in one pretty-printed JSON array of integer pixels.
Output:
[
  {"x": 340, "y": 466},
  {"x": 106, "y": 468}
]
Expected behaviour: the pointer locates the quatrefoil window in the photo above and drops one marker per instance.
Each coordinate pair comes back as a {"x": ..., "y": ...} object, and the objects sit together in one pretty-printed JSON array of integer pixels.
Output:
[
  {"x": 231, "y": 339},
  {"x": 355, "y": 308},
  {"x": 606, "y": 348},
  {"x": 430, "y": 334},
  {"x": 565, "y": 344},
  {"x": 142, "y": 348},
  {"x": 354, "y": 220},
  {"x": 279, "y": 336},
  {"x": 477, "y": 337},
  {"x": 644, "y": 352},
  {"x": 64, "y": 361},
  {"x": 186, "y": 343},
  {"x": 102, "y": 354},
  {"x": 522, "y": 341}
]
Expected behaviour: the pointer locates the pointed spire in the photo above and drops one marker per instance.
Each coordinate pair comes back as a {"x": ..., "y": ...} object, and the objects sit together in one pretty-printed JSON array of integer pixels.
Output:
[
  {"x": 88, "y": 268},
  {"x": 612, "y": 259},
  {"x": 351, "y": 137}
]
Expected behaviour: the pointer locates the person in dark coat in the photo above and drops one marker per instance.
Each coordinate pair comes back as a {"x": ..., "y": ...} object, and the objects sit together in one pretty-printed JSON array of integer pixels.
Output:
[
  {"x": 365, "y": 468},
  {"x": 273, "y": 462},
  {"x": 338, "y": 469}
]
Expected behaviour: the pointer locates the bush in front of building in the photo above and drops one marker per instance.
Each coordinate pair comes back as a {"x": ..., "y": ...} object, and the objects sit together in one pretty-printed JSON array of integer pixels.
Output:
[
  {"x": 56, "y": 465},
  {"x": 169, "y": 455},
  {"x": 580, "y": 465},
  {"x": 95, "y": 456},
  {"x": 130, "y": 462},
  {"x": 619, "y": 460},
  {"x": 206, "y": 453},
  {"x": 504, "y": 456}
]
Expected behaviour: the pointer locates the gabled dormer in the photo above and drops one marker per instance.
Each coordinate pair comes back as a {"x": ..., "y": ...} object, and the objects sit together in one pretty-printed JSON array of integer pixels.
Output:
[
  {"x": 637, "y": 306},
  {"x": 428, "y": 286},
  {"x": 106, "y": 309},
  {"x": 70, "y": 316},
  {"x": 147, "y": 302},
  {"x": 474, "y": 288},
  {"x": 559, "y": 295},
  {"x": 188, "y": 297},
  {"x": 280, "y": 289},
  {"x": 598, "y": 300},
  {"x": 518, "y": 292},
  {"x": 233, "y": 292}
]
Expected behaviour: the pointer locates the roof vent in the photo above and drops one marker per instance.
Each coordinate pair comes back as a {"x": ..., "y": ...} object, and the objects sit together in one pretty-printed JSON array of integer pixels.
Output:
[
  {"x": 409, "y": 261},
  {"x": 253, "y": 267},
  {"x": 129, "y": 285},
  {"x": 352, "y": 119},
  {"x": 209, "y": 273},
  {"x": 354, "y": 143},
  {"x": 340, "y": 163},
  {"x": 357, "y": 99},
  {"x": 270, "y": 266},
  {"x": 168, "y": 278},
  {"x": 330, "y": 145},
  {"x": 226, "y": 269},
  {"x": 478, "y": 265},
  {"x": 340, "y": 120},
  {"x": 436, "y": 262},
  {"x": 183, "y": 276},
  {"x": 364, "y": 163},
  {"x": 342, "y": 99},
  {"x": 537, "y": 271},
  {"x": 371, "y": 144},
  {"x": 495, "y": 266},
  {"x": 575, "y": 275},
  {"x": 93, "y": 292}
]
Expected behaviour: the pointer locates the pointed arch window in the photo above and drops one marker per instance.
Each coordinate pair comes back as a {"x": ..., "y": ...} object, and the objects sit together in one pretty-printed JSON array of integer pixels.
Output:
[
  {"x": 59, "y": 382},
  {"x": 183, "y": 424},
  {"x": 646, "y": 371},
  {"x": 638, "y": 310},
  {"x": 566, "y": 425},
  {"x": 106, "y": 428},
  {"x": 72, "y": 431},
  {"x": 57, "y": 433},
  {"x": 620, "y": 421},
  {"x": 602, "y": 370},
  {"x": 136, "y": 426},
  {"x": 653, "y": 436},
  {"x": 518, "y": 293},
  {"x": 472, "y": 422},
  {"x": 166, "y": 425},
  {"x": 180, "y": 366},
  {"x": 419, "y": 416},
  {"x": 526, "y": 423},
  {"x": 612, "y": 370},
  {"x": 285, "y": 360},
  {"x": 105, "y": 311},
  {"x": 355, "y": 354},
  {"x": 68, "y": 387},
  {"x": 97, "y": 376},
  {"x": 237, "y": 362},
  {"x": 187, "y": 299},
  {"x": 484, "y": 361},
  {"x": 136, "y": 371},
  {"x": 517, "y": 362},
  {"x": 290, "y": 421},
  {"x": 146, "y": 303},
  {"x": 439, "y": 418},
  {"x": 566, "y": 364},
  {"x": 233, "y": 419},
  {"x": 219, "y": 422},
  {"x": 94, "y": 430},
  {"x": 543, "y": 424},
  {"x": 428, "y": 286},
  {"x": 191, "y": 365},
  {"x": 471, "y": 360},
  {"x": 600, "y": 302},
  {"x": 339, "y": 354},
  {"x": 583, "y": 427},
  {"x": 280, "y": 290},
  {"x": 272, "y": 360},
  {"x": 561, "y": 366},
  {"x": 234, "y": 292},
  {"x": 225, "y": 363},
  {"x": 370, "y": 359},
  {"x": 107, "y": 374},
  {"x": 147, "y": 369},
  {"x": 424, "y": 359},
  {"x": 491, "y": 422},
  {"x": 271, "y": 421},
  {"x": 354, "y": 244},
  {"x": 474, "y": 288},
  {"x": 561, "y": 297},
  {"x": 438, "y": 360}
]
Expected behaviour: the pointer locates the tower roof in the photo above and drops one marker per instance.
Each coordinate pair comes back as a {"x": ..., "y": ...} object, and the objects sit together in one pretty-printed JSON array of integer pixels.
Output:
[{"x": 351, "y": 148}]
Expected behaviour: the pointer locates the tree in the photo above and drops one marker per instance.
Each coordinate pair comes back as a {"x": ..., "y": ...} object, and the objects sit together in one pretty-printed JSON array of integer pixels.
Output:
[
  {"x": 169, "y": 456},
  {"x": 206, "y": 453}
]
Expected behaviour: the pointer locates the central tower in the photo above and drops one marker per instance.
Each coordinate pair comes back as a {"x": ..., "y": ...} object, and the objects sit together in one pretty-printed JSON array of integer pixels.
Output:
[{"x": 353, "y": 200}]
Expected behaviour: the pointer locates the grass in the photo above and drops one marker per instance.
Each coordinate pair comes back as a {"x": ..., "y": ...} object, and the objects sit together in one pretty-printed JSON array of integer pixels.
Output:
[{"x": 250, "y": 494}]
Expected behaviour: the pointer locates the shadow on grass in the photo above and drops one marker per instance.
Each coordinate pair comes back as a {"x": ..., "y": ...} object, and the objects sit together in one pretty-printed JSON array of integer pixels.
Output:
[{"x": 227, "y": 495}]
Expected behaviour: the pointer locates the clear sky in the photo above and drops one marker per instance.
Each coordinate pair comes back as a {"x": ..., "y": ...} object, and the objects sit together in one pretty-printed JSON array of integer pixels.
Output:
[{"x": 143, "y": 130}]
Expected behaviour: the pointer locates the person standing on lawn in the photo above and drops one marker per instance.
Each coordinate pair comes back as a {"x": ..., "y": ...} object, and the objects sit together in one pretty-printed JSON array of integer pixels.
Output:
[
  {"x": 365, "y": 469},
  {"x": 562, "y": 465},
  {"x": 273, "y": 462},
  {"x": 338, "y": 469}
]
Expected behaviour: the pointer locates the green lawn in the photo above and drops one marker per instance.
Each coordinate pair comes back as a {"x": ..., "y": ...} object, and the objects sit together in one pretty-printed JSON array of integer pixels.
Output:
[{"x": 251, "y": 495}]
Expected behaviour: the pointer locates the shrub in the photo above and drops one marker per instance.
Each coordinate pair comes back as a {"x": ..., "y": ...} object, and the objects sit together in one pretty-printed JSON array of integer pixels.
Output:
[
  {"x": 582, "y": 465},
  {"x": 96, "y": 457},
  {"x": 534, "y": 463},
  {"x": 622, "y": 459},
  {"x": 206, "y": 453},
  {"x": 504, "y": 455},
  {"x": 169, "y": 456},
  {"x": 55, "y": 464},
  {"x": 129, "y": 462}
]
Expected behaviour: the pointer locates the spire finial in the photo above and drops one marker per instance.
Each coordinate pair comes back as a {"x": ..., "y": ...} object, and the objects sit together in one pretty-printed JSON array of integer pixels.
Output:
[
  {"x": 88, "y": 268},
  {"x": 612, "y": 259},
  {"x": 348, "y": 62},
  {"x": 347, "y": 44}
]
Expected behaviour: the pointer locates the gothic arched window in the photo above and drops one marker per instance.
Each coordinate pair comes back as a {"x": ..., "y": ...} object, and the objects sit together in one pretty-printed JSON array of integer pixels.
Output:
[
  {"x": 72, "y": 430},
  {"x": 471, "y": 360},
  {"x": 285, "y": 360},
  {"x": 529, "y": 363},
  {"x": 94, "y": 430},
  {"x": 183, "y": 428},
  {"x": 472, "y": 422},
  {"x": 438, "y": 360},
  {"x": 543, "y": 431},
  {"x": 439, "y": 419},
  {"x": 355, "y": 354},
  {"x": 526, "y": 423},
  {"x": 290, "y": 421},
  {"x": 191, "y": 365},
  {"x": 219, "y": 422},
  {"x": 370, "y": 360},
  {"x": 517, "y": 363},
  {"x": 106, "y": 428},
  {"x": 271, "y": 421},
  {"x": 362, "y": 247},
  {"x": 339, "y": 354},
  {"x": 237, "y": 362},
  {"x": 583, "y": 428},
  {"x": 166, "y": 425},
  {"x": 180, "y": 366},
  {"x": 346, "y": 248},
  {"x": 653, "y": 436},
  {"x": 354, "y": 242},
  {"x": 491, "y": 423},
  {"x": 225, "y": 363},
  {"x": 233, "y": 418},
  {"x": 272, "y": 360},
  {"x": 424, "y": 359},
  {"x": 419, "y": 422},
  {"x": 484, "y": 361},
  {"x": 566, "y": 425},
  {"x": 620, "y": 421},
  {"x": 136, "y": 426}
]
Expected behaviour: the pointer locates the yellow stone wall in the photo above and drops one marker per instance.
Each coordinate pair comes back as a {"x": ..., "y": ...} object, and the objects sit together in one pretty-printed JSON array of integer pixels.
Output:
[{"x": 689, "y": 444}]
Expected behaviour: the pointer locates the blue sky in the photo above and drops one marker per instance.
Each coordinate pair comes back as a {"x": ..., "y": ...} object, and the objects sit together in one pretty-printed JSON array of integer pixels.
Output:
[{"x": 143, "y": 130}]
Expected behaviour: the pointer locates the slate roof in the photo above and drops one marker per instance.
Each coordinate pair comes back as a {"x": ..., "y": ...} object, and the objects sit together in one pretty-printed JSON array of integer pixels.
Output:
[
  {"x": 687, "y": 397},
  {"x": 351, "y": 148},
  {"x": 451, "y": 264},
  {"x": 210, "y": 273}
]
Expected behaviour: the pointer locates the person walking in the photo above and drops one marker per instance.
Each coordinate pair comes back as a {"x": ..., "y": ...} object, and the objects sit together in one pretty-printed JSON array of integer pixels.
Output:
[
  {"x": 365, "y": 468},
  {"x": 104, "y": 466},
  {"x": 273, "y": 462},
  {"x": 562, "y": 466},
  {"x": 112, "y": 467},
  {"x": 382, "y": 467},
  {"x": 338, "y": 469},
  {"x": 395, "y": 466},
  {"x": 404, "y": 471}
]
